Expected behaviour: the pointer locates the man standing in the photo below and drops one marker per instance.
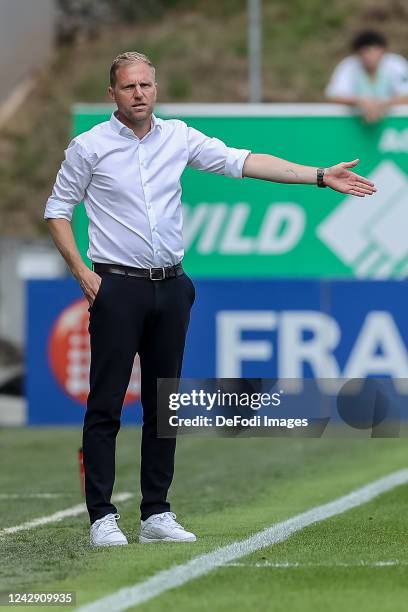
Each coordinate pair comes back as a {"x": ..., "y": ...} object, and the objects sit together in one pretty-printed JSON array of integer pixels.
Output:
[{"x": 127, "y": 171}]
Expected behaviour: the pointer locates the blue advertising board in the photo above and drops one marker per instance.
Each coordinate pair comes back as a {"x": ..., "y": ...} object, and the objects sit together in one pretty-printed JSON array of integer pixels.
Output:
[{"x": 239, "y": 328}]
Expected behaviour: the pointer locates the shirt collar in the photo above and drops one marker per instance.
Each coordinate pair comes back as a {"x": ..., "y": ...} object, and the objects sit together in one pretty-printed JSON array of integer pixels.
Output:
[{"x": 120, "y": 128}]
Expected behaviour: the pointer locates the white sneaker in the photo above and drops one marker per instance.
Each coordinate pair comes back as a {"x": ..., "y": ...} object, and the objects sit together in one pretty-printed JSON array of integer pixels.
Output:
[
  {"x": 164, "y": 528},
  {"x": 105, "y": 532}
]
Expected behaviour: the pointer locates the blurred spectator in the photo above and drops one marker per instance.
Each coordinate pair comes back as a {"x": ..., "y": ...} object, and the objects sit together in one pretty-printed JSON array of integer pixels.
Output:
[{"x": 372, "y": 79}]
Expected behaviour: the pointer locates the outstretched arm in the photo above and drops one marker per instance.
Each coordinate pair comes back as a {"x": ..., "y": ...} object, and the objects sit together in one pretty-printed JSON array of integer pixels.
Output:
[{"x": 338, "y": 177}]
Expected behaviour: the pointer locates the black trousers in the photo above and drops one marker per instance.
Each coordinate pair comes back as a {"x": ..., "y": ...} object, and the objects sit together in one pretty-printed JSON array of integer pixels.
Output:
[{"x": 132, "y": 315}]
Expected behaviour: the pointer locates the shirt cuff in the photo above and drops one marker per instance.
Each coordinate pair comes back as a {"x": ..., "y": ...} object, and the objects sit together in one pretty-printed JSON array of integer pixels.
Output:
[
  {"x": 57, "y": 210},
  {"x": 235, "y": 162}
]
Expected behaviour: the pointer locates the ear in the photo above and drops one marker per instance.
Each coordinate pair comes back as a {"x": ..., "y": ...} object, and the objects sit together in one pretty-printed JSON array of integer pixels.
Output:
[{"x": 111, "y": 93}]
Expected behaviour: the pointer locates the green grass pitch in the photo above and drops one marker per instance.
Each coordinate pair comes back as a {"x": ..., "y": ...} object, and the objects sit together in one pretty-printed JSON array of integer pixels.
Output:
[{"x": 224, "y": 490}]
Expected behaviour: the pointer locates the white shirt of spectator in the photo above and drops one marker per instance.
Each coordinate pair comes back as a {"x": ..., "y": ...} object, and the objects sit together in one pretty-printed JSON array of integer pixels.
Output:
[
  {"x": 350, "y": 79},
  {"x": 131, "y": 187}
]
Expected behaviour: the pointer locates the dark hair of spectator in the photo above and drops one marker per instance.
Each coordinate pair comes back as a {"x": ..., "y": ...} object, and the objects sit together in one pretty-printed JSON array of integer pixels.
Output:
[{"x": 368, "y": 38}]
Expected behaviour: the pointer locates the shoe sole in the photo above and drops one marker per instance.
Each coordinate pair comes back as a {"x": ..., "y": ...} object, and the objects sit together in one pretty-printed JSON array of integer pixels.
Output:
[
  {"x": 144, "y": 540},
  {"x": 108, "y": 545}
]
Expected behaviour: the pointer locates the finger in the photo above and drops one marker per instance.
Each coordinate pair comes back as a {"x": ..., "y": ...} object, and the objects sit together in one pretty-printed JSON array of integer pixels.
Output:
[
  {"x": 356, "y": 193},
  {"x": 360, "y": 191},
  {"x": 351, "y": 164},
  {"x": 362, "y": 179},
  {"x": 363, "y": 185},
  {"x": 95, "y": 290},
  {"x": 90, "y": 292},
  {"x": 366, "y": 188}
]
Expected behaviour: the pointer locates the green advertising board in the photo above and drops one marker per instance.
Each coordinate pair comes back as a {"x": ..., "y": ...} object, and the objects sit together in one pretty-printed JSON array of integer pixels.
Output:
[{"x": 253, "y": 228}]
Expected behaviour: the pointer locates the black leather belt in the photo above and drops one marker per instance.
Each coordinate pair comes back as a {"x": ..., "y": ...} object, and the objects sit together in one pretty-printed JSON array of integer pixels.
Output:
[{"x": 153, "y": 274}]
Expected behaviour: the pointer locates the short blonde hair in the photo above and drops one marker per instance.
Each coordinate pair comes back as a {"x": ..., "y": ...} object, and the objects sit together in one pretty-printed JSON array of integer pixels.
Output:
[{"x": 124, "y": 59}]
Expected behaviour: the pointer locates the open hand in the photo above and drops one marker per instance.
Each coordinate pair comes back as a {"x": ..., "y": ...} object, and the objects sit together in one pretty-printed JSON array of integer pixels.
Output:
[{"x": 340, "y": 178}]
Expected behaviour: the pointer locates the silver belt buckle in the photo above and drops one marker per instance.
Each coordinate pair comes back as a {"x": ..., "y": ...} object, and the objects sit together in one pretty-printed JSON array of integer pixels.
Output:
[{"x": 153, "y": 271}]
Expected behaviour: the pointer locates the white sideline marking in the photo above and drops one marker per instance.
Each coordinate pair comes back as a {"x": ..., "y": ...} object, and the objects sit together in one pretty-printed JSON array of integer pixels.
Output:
[
  {"x": 288, "y": 564},
  {"x": 58, "y": 516},
  {"x": 178, "y": 575}
]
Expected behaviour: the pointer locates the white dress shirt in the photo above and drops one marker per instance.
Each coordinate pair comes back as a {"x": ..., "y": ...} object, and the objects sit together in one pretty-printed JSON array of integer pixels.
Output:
[
  {"x": 350, "y": 78},
  {"x": 131, "y": 187}
]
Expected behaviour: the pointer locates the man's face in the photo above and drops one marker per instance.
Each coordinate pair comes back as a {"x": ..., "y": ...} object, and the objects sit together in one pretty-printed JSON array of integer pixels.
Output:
[
  {"x": 371, "y": 57},
  {"x": 135, "y": 92}
]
